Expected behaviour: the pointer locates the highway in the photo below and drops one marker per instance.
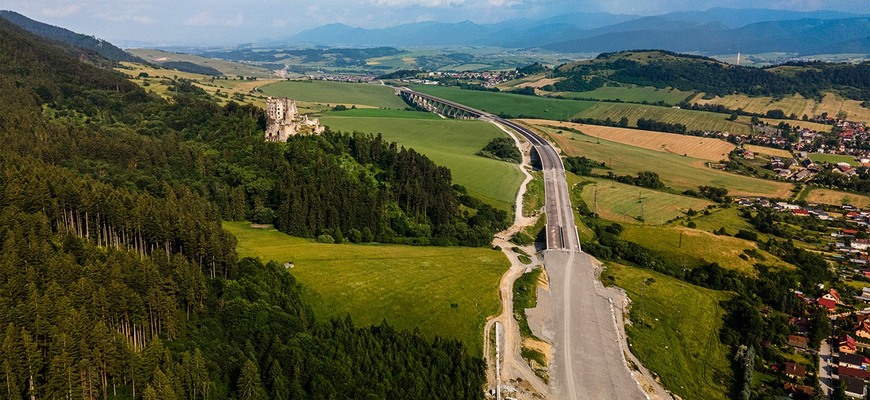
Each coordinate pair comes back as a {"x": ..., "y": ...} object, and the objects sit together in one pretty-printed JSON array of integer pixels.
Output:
[{"x": 587, "y": 360}]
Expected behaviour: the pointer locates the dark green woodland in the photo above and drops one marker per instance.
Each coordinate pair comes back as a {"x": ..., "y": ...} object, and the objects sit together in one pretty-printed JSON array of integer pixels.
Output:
[{"x": 117, "y": 280}]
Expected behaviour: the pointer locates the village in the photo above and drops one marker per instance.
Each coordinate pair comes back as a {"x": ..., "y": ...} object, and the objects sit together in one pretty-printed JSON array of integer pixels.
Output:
[{"x": 843, "y": 353}]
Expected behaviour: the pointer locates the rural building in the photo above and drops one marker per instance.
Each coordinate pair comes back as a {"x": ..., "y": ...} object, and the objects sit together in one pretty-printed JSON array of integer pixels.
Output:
[
  {"x": 848, "y": 345},
  {"x": 794, "y": 371},
  {"x": 829, "y": 300},
  {"x": 798, "y": 341},
  {"x": 851, "y": 361},
  {"x": 855, "y": 387},
  {"x": 283, "y": 120},
  {"x": 800, "y": 390}
]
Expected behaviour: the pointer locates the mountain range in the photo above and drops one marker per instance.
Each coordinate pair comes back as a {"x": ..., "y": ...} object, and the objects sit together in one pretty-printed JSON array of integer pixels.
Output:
[{"x": 714, "y": 31}]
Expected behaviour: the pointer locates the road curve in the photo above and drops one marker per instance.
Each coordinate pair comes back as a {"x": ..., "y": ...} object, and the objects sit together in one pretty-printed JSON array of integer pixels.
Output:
[{"x": 588, "y": 362}]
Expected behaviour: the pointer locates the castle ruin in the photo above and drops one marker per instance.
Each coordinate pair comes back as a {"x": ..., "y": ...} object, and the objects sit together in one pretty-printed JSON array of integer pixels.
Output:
[{"x": 283, "y": 120}]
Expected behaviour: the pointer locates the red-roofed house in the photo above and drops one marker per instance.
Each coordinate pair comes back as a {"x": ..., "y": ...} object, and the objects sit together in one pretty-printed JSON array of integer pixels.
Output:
[
  {"x": 853, "y": 372},
  {"x": 848, "y": 345},
  {"x": 801, "y": 213},
  {"x": 829, "y": 300},
  {"x": 793, "y": 370},
  {"x": 863, "y": 329},
  {"x": 800, "y": 342}
]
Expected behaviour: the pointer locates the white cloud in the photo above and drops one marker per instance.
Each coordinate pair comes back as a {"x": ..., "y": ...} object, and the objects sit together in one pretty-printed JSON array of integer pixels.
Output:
[{"x": 206, "y": 19}]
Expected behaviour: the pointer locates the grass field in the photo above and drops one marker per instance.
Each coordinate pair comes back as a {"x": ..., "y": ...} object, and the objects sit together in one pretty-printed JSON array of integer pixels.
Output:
[
  {"x": 833, "y": 158},
  {"x": 576, "y": 186},
  {"x": 451, "y": 143},
  {"x": 381, "y": 113},
  {"x": 674, "y": 331},
  {"x": 768, "y": 151},
  {"x": 625, "y": 203},
  {"x": 836, "y": 197},
  {"x": 408, "y": 286},
  {"x": 334, "y": 93},
  {"x": 699, "y": 247},
  {"x": 694, "y": 120},
  {"x": 691, "y": 146},
  {"x": 513, "y": 104},
  {"x": 676, "y": 171},
  {"x": 635, "y": 94},
  {"x": 157, "y": 78}
]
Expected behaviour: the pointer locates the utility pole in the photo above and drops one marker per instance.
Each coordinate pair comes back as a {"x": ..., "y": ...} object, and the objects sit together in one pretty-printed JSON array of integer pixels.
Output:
[
  {"x": 595, "y": 201},
  {"x": 681, "y": 240}
]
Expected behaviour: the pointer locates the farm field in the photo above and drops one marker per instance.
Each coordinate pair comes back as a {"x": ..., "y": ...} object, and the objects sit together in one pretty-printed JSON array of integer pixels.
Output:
[
  {"x": 768, "y": 151},
  {"x": 678, "y": 172},
  {"x": 833, "y": 159},
  {"x": 334, "y": 93},
  {"x": 797, "y": 105},
  {"x": 509, "y": 103},
  {"x": 693, "y": 120},
  {"x": 691, "y": 146},
  {"x": 409, "y": 286},
  {"x": 699, "y": 247},
  {"x": 833, "y": 105},
  {"x": 836, "y": 197},
  {"x": 450, "y": 143},
  {"x": 635, "y": 94},
  {"x": 625, "y": 203},
  {"x": 674, "y": 331},
  {"x": 226, "y": 67}
]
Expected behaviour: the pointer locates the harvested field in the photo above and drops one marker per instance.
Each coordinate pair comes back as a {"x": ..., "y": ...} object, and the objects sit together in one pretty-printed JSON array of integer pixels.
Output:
[
  {"x": 767, "y": 150},
  {"x": 833, "y": 104},
  {"x": 684, "y": 145},
  {"x": 797, "y": 105}
]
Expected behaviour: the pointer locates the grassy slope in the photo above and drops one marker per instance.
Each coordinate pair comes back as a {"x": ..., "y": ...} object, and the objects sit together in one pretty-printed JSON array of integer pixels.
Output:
[
  {"x": 676, "y": 171},
  {"x": 408, "y": 286},
  {"x": 694, "y": 120},
  {"x": 226, "y": 67},
  {"x": 674, "y": 331},
  {"x": 699, "y": 247},
  {"x": 633, "y": 94},
  {"x": 451, "y": 143},
  {"x": 623, "y": 203},
  {"x": 360, "y": 94},
  {"x": 836, "y": 197}
]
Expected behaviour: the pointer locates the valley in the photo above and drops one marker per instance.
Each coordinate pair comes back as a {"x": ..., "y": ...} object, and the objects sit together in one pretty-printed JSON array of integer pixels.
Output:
[{"x": 525, "y": 209}]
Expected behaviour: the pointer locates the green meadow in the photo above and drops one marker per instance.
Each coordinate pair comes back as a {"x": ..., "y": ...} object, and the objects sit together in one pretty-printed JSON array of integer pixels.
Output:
[
  {"x": 443, "y": 291},
  {"x": 674, "y": 331},
  {"x": 451, "y": 143}
]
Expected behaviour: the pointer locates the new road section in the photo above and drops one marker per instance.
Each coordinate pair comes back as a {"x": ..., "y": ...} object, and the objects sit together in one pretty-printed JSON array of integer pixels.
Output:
[{"x": 588, "y": 362}]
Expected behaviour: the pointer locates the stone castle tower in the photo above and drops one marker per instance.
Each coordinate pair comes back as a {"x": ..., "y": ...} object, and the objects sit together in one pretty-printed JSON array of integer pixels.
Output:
[{"x": 283, "y": 120}]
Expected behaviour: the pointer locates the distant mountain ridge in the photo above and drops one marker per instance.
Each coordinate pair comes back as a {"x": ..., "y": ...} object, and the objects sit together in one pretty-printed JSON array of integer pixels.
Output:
[
  {"x": 717, "y": 30},
  {"x": 67, "y": 36}
]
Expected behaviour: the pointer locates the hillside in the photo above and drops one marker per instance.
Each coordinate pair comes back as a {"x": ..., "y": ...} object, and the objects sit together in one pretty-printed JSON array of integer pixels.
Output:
[
  {"x": 117, "y": 279},
  {"x": 67, "y": 36},
  {"x": 663, "y": 69}
]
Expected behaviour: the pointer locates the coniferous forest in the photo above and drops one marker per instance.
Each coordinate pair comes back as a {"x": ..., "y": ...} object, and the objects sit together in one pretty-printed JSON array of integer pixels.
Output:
[{"x": 117, "y": 280}]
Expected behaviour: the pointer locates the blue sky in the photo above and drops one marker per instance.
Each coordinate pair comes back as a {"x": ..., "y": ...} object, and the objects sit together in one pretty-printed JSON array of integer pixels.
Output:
[{"x": 229, "y": 21}]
